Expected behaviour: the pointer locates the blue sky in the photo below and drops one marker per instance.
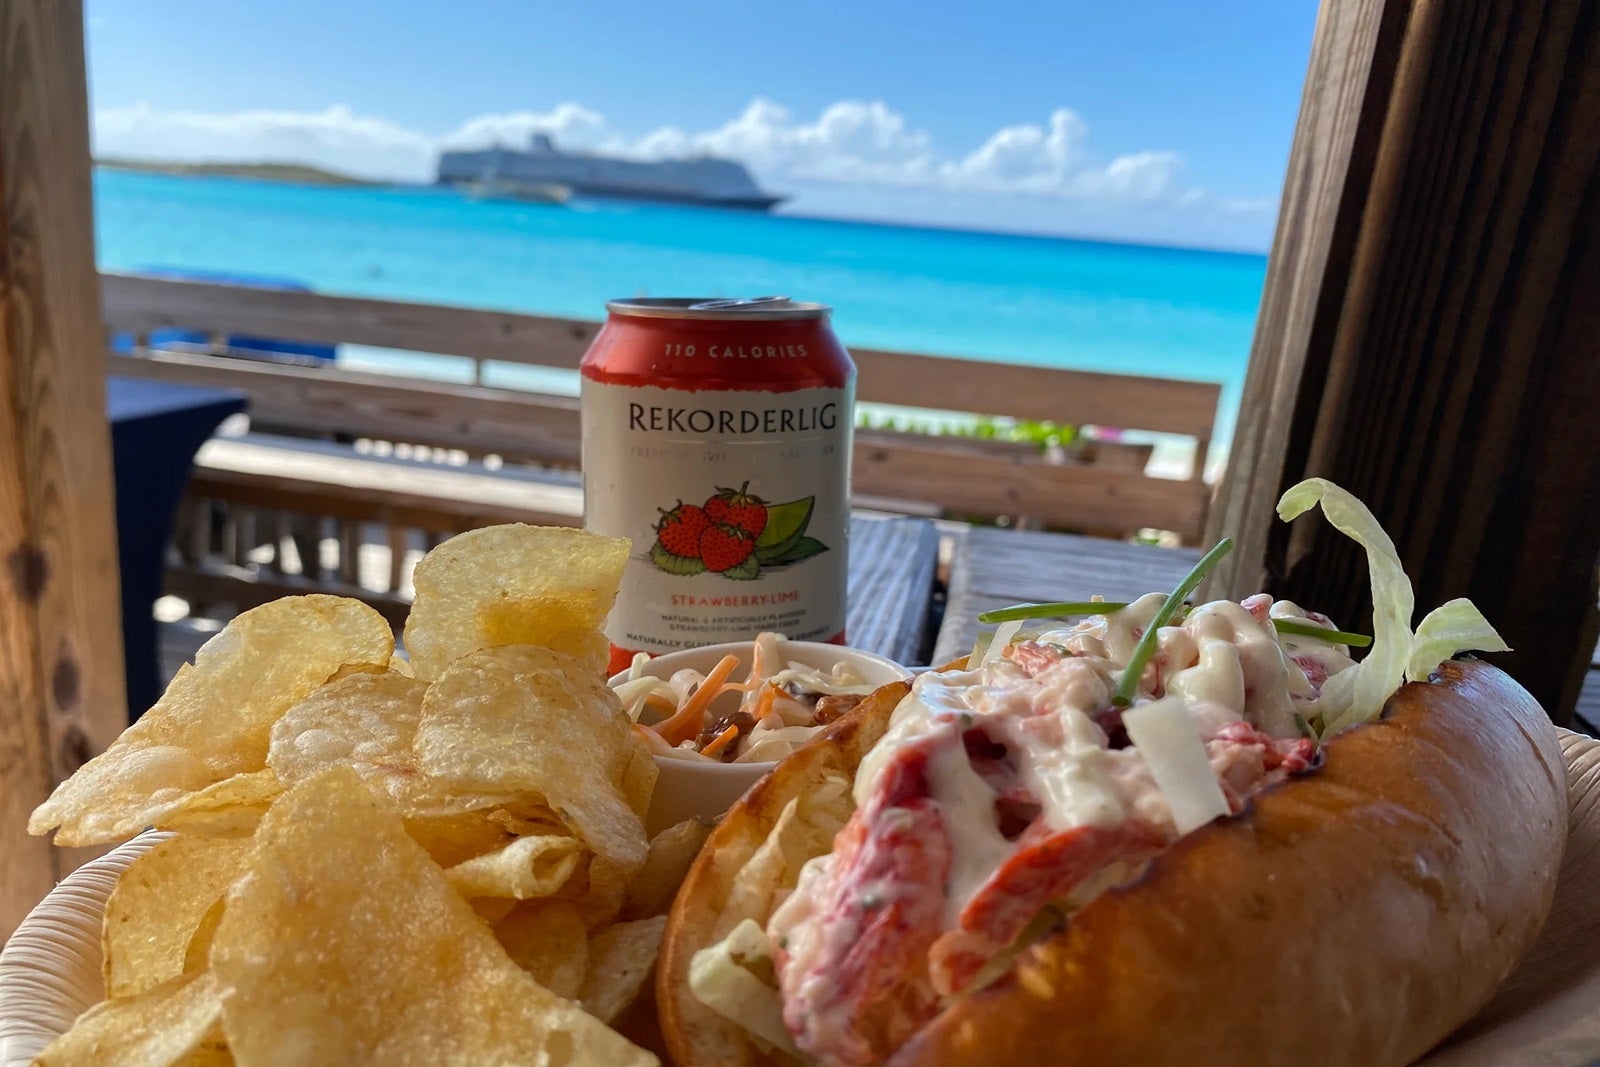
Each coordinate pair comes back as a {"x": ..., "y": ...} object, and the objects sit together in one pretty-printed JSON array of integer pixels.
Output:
[{"x": 1160, "y": 120}]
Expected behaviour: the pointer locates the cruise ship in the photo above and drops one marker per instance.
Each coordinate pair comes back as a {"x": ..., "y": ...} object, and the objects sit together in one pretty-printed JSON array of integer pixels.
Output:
[{"x": 702, "y": 180}]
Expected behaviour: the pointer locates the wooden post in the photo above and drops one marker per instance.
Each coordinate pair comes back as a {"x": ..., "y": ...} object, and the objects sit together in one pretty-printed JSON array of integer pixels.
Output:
[
  {"x": 1439, "y": 357},
  {"x": 61, "y": 682}
]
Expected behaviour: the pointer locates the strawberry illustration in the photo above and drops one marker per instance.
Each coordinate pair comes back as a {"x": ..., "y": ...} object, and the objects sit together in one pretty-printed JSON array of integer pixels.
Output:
[
  {"x": 738, "y": 507},
  {"x": 680, "y": 528},
  {"x": 724, "y": 546}
]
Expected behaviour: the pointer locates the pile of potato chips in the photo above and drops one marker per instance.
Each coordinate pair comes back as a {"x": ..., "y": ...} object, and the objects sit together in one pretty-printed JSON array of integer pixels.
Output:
[{"x": 387, "y": 862}]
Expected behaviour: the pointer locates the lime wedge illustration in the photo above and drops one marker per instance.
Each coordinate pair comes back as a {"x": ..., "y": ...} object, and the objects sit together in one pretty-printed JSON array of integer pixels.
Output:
[
  {"x": 786, "y": 524},
  {"x": 802, "y": 549}
]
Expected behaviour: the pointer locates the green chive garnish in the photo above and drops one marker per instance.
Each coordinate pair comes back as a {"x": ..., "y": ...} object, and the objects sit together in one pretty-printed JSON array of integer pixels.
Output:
[
  {"x": 1321, "y": 633},
  {"x": 1147, "y": 643},
  {"x": 1060, "y": 610}
]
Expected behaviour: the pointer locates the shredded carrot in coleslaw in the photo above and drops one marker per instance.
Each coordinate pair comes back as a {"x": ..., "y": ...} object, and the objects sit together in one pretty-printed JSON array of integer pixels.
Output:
[
  {"x": 685, "y": 722},
  {"x": 720, "y": 742},
  {"x": 769, "y": 693}
]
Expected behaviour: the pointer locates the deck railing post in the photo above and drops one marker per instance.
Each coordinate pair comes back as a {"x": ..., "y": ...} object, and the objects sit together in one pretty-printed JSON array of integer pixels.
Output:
[
  {"x": 1427, "y": 333},
  {"x": 61, "y": 680}
]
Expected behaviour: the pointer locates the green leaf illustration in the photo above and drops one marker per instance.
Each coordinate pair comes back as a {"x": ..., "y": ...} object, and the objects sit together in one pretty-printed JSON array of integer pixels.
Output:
[
  {"x": 745, "y": 571},
  {"x": 802, "y": 549}
]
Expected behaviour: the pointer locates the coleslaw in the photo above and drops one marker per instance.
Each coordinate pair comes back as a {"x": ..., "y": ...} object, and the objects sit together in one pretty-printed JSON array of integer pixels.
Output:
[{"x": 779, "y": 706}]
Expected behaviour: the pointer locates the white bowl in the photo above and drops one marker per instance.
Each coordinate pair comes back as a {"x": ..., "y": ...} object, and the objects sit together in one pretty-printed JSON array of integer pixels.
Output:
[{"x": 692, "y": 788}]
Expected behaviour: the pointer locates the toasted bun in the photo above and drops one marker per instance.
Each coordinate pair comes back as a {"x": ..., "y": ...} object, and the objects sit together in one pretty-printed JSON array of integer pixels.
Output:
[{"x": 1353, "y": 916}]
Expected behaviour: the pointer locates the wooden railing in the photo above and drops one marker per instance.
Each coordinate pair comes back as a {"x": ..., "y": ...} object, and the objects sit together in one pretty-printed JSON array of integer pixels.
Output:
[
  {"x": 1089, "y": 487},
  {"x": 339, "y": 487}
]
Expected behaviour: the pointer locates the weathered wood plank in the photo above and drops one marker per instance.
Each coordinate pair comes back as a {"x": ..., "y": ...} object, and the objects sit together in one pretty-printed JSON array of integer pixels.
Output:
[
  {"x": 61, "y": 682},
  {"x": 1066, "y": 495},
  {"x": 479, "y": 419},
  {"x": 1586, "y": 717},
  {"x": 139, "y": 305},
  {"x": 994, "y": 568},
  {"x": 891, "y": 575},
  {"x": 300, "y": 477},
  {"x": 1075, "y": 397},
  {"x": 1455, "y": 385},
  {"x": 1343, "y": 107}
]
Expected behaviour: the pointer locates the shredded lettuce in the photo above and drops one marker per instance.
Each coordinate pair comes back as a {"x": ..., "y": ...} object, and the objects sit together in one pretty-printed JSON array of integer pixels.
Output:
[
  {"x": 720, "y": 979},
  {"x": 1358, "y": 694},
  {"x": 1457, "y": 626},
  {"x": 983, "y": 654}
]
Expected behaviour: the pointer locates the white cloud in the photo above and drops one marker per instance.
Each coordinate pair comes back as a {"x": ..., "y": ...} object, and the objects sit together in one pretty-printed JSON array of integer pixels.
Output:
[
  {"x": 851, "y": 144},
  {"x": 571, "y": 124},
  {"x": 851, "y": 140},
  {"x": 1024, "y": 157},
  {"x": 1140, "y": 176},
  {"x": 665, "y": 142}
]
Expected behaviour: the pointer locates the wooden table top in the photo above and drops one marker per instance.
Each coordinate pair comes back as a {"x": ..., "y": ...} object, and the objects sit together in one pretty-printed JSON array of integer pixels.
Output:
[
  {"x": 992, "y": 568},
  {"x": 891, "y": 585}
]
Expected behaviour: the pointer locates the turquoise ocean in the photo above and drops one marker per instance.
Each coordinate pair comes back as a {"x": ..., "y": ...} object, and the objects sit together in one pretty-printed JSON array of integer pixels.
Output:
[{"x": 1092, "y": 305}]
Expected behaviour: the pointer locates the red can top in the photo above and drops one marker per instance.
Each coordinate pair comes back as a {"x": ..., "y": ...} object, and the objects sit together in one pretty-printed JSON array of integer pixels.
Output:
[{"x": 768, "y": 343}]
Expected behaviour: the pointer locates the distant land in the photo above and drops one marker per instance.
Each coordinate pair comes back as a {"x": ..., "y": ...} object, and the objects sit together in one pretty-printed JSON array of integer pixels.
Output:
[{"x": 299, "y": 173}]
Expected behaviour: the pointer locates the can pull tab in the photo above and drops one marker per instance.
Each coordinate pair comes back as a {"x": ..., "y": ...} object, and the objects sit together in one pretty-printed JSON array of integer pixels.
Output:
[{"x": 755, "y": 302}]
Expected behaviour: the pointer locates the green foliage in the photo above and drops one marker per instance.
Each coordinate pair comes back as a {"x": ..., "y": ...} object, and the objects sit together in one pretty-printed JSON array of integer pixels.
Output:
[{"x": 1042, "y": 434}]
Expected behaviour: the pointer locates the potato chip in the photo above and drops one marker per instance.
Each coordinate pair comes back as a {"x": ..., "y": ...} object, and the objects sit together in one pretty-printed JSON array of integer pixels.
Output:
[
  {"x": 547, "y": 939},
  {"x": 231, "y": 808},
  {"x": 528, "y": 867},
  {"x": 214, "y": 719},
  {"x": 527, "y": 820},
  {"x": 671, "y": 854},
  {"x": 621, "y": 960},
  {"x": 605, "y": 888},
  {"x": 514, "y": 585},
  {"x": 366, "y": 721},
  {"x": 453, "y": 837},
  {"x": 398, "y": 664},
  {"x": 158, "y": 904},
  {"x": 344, "y": 943},
  {"x": 505, "y": 720},
  {"x": 170, "y": 1024},
  {"x": 639, "y": 776},
  {"x": 198, "y": 957},
  {"x": 492, "y": 909}
]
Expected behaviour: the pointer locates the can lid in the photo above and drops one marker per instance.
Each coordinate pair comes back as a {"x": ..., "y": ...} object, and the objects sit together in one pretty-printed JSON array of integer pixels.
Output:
[{"x": 744, "y": 309}]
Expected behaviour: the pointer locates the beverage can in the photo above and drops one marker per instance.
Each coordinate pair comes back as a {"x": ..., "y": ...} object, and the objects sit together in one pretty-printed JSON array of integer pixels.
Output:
[{"x": 717, "y": 437}]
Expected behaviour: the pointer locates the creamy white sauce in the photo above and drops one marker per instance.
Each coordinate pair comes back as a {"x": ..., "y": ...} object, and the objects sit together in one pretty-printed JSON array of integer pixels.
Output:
[
  {"x": 1217, "y": 676},
  {"x": 1071, "y": 773},
  {"x": 933, "y": 699},
  {"x": 966, "y": 803}
]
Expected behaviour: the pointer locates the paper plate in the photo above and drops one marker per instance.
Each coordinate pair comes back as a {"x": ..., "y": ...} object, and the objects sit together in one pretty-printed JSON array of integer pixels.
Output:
[
  {"x": 1546, "y": 1015},
  {"x": 50, "y": 969}
]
